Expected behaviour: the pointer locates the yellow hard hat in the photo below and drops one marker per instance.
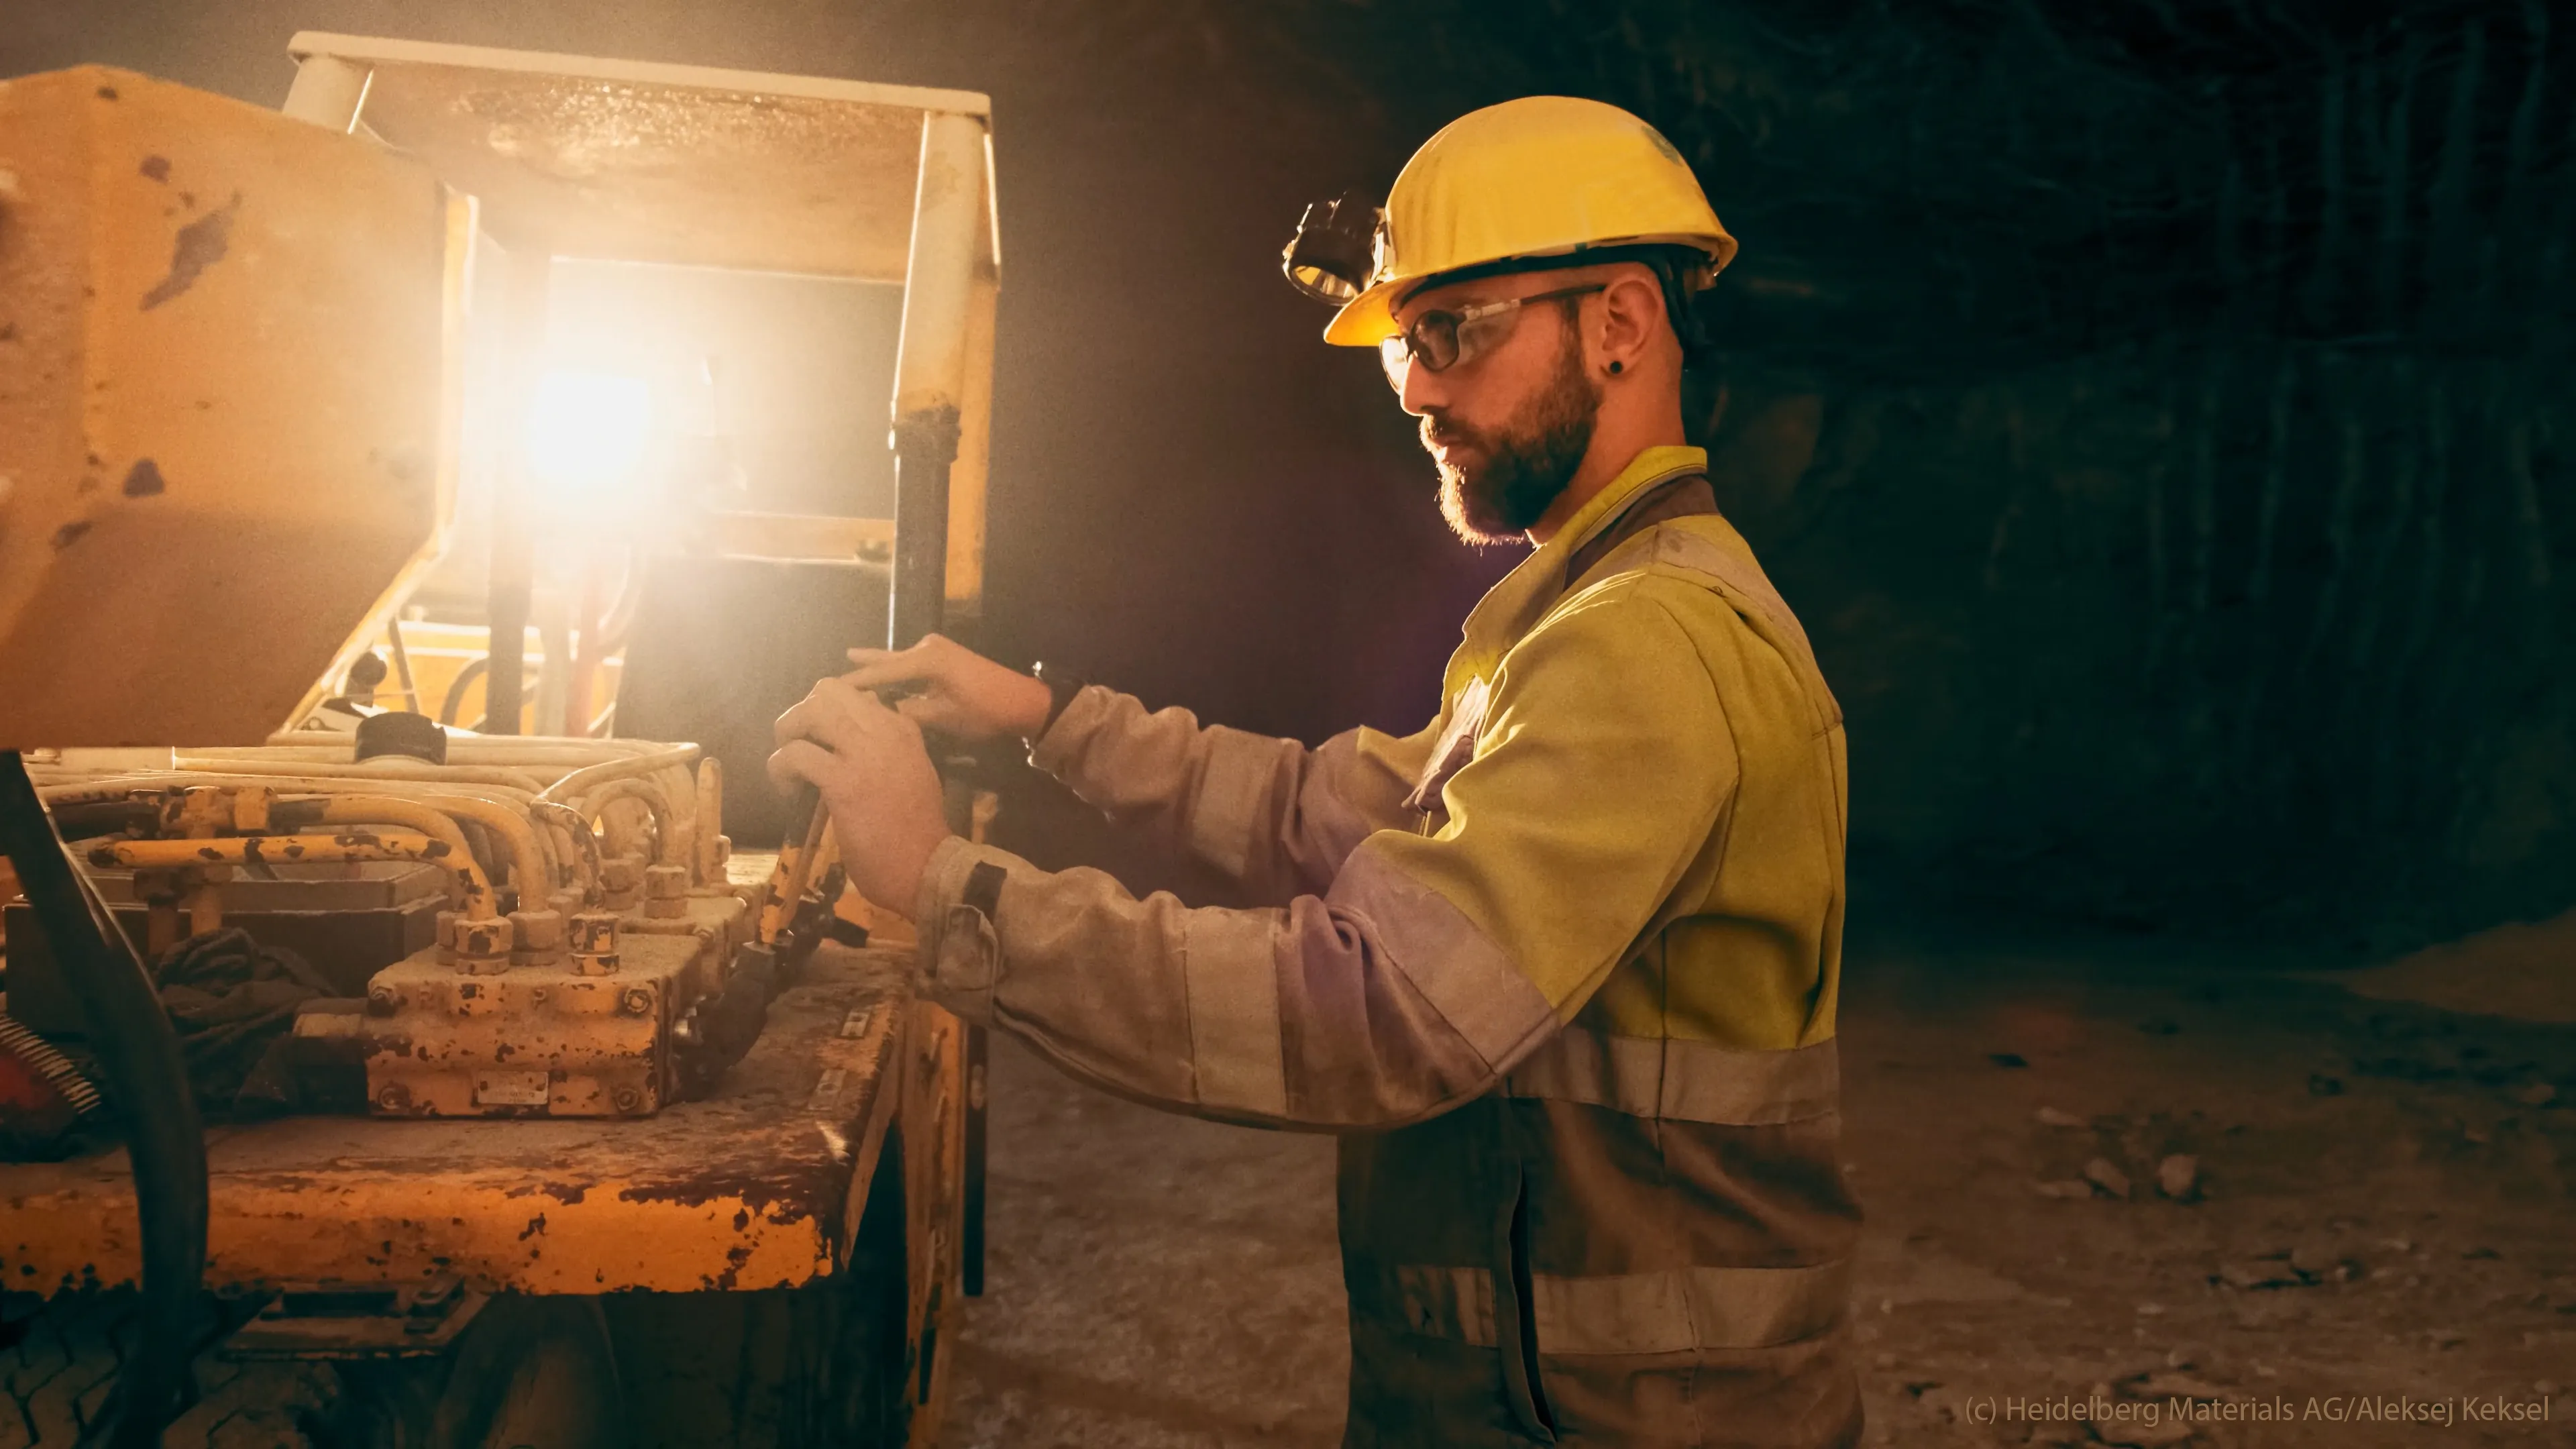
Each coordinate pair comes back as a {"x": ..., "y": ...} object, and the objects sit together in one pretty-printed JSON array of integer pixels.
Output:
[{"x": 1543, "y": 176}]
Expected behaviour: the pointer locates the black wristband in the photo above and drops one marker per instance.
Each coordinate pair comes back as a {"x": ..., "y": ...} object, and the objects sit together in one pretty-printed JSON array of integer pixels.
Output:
[{"x": 1061, "y": 688}]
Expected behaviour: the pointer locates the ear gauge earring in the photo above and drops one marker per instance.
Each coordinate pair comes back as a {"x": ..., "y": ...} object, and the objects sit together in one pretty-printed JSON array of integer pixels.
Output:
[{"x": 1616, "y": 367}]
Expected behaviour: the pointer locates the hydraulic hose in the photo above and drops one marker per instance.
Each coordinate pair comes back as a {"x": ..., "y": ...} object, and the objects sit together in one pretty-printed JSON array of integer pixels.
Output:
[{"x": 147, "y": 1080}]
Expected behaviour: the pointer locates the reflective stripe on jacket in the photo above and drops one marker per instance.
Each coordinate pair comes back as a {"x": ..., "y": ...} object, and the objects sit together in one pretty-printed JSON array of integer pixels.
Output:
[{"x": 1560, "y": 968}]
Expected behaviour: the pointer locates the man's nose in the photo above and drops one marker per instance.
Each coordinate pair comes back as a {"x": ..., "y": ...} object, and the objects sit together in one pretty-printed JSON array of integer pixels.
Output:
[{"x": 1422, "y": 390}]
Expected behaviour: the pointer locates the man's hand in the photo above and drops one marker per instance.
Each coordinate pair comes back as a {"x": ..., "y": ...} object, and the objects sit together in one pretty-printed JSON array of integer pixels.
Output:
[
  {"x": 962, "y": 692},
  {"x": 875, "y": 778}
]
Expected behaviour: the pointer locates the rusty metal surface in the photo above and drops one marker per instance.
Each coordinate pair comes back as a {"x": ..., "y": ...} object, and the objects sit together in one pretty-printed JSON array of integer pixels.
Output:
[
  {"x": 531, "y": 1040},
  {"x": 566, "y": 1026},
  {"x": 747, "y": 1190},
  {"x": 642, "y": 171},
  {"x": 215, "y": 324}
]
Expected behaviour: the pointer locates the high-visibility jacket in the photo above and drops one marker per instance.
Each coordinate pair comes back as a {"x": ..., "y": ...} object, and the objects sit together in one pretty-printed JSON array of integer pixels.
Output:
[{"x": 1560, "y": 969}]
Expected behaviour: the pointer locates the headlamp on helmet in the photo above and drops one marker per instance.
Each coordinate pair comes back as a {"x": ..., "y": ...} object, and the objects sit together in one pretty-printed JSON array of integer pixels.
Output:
[{"x": 1335, "y": 249}]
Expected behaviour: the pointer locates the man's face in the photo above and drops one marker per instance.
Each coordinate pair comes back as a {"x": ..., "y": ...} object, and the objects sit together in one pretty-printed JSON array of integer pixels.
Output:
[{"x": 1509, "y": 426}]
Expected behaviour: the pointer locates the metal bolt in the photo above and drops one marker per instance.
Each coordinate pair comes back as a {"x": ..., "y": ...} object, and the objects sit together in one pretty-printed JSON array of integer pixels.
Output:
[
  {"x": 395, "y": 1097},
  {"x": 383, "y": 1001},
  {"x": 635, "y": 1001},
  {"x": 537, "y": 994},
  {"x": 628, "y": 1099},
  {"x": 594, "y": 932},
  {"x": 483, "y": 947},
  {"x": 537, "y": 930},
  {"x": 621, "y": 882},
  {"x": 666, "y": 891}
]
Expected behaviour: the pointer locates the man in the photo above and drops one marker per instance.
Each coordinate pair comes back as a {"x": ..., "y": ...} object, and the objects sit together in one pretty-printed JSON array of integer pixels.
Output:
[{"x": 1560, "y": 969}]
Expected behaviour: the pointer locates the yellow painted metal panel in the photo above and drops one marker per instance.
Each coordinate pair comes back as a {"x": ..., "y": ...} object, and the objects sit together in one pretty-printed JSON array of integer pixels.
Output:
[
  {"x": 222, "y": 418},
  {"x": 751, "y": 1189}
]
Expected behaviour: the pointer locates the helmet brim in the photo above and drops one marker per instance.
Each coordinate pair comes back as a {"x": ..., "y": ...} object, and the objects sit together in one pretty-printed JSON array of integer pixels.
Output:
[{"x": 1369, "y": 318}]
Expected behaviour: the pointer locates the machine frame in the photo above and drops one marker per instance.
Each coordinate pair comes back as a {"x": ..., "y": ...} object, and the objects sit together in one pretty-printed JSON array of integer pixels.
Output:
[{"x": 775, "y": 1210}]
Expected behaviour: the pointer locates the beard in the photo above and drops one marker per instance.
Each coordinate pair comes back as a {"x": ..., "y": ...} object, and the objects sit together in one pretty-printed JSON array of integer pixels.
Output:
[{"x": 1515, "y": 473}]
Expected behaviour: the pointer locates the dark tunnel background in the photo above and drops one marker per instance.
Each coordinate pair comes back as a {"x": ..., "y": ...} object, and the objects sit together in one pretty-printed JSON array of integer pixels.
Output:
[{"x": 2157, "y": 409}]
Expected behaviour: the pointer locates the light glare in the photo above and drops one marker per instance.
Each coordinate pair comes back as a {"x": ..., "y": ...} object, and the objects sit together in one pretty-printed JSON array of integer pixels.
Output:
[{"x": 586, "y": 430}]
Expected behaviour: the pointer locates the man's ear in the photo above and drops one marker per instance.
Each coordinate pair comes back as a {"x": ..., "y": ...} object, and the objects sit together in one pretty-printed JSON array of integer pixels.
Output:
[{"x": 1632, "y": 308}]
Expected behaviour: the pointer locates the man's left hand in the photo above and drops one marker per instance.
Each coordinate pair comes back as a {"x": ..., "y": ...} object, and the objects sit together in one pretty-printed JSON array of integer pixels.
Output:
[{"x": 876, "y": 779}]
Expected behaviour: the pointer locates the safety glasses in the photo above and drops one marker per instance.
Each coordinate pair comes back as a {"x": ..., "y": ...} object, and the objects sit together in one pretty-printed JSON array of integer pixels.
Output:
[{"x": 1442, "y": 340}]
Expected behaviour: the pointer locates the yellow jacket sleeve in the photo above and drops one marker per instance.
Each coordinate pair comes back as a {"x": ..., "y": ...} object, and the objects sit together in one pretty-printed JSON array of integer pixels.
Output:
[
  {"x": 1430, "y": 964},
  {"x": 1269, "y": 814}
]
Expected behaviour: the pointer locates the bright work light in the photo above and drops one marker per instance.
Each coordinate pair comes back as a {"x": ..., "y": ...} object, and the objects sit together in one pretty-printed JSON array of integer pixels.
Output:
[{"x": 586, "y": 431}]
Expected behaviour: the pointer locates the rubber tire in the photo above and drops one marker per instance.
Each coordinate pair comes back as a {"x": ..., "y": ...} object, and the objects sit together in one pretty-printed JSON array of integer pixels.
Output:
[{"x": 59, "y": 1359}]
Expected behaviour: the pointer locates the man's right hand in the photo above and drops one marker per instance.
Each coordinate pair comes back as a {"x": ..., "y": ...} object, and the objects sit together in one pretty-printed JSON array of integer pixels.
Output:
[{"x": 962, "y": 693}]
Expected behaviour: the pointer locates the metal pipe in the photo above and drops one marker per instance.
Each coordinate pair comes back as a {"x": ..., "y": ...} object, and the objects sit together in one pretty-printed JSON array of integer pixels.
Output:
[
  {"x": 147, "y": 1080},
  {"x": 533, "y": 867},
  {"x": 587, "y": 657},
  {"x": 667, "y": 836},
  {"x": 514, "y": 549},
  {"x": 680, "y": 788},
  {"x": 431, "y": 818},
  {"x": 490, "y": 806},
  {"x": 108, "y": 788},
  {"x": 709, "y": 827},
  {"x": 574, "y": 844},
  {"x": 930, "y": 367},
  {"x": 930, "y": 395},
  {"x": 483, "y": 748},
  {"x": 402, "y": 662},
  {"x": 554, "y": 675},
  {"x": 382, "y": 768},
  {"x": 476, "y": 888},
  {"x": 590, "y": 777}
]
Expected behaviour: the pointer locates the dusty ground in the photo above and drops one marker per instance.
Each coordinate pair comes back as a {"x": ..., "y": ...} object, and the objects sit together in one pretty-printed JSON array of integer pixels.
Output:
[{"x": 2382, "y": 1222}]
